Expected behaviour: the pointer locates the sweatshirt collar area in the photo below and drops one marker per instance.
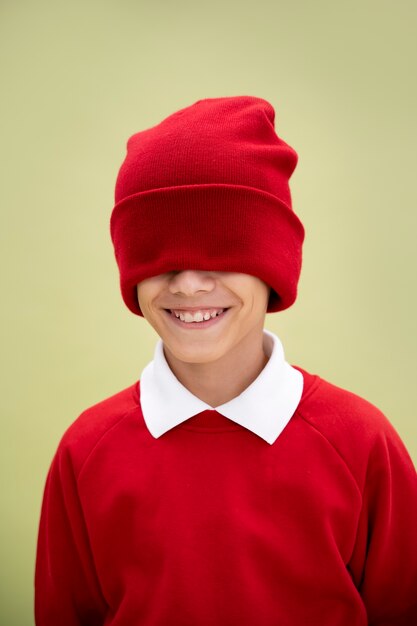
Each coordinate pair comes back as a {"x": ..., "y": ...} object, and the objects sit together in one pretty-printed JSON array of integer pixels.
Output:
[{"x": 265, "y": 407}]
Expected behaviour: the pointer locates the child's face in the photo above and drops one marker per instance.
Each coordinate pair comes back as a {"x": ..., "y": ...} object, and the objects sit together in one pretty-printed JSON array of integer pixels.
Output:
[{"x": 244, "y": 295}]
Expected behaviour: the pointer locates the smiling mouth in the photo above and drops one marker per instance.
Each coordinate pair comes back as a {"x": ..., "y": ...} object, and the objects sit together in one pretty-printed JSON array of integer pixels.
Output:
[{"x": 195, "y": 324}]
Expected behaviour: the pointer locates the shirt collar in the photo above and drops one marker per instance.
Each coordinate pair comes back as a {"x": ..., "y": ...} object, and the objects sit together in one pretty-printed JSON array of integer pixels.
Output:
[{"x": 265, "y": 407}]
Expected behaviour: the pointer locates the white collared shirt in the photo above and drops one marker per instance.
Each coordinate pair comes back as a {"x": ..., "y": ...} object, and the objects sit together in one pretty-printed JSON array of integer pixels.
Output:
[{"x": 265, "y": 407}]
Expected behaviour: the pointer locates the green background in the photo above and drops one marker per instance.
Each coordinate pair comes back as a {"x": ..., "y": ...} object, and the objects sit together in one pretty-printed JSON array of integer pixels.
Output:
[{"x": 78, "y": 78}]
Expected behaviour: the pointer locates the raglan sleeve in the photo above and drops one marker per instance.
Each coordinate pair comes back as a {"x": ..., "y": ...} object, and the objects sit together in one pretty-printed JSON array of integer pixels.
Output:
[
  {"x": 67, "y": 590},
  {"x": 384, "y": 562}
]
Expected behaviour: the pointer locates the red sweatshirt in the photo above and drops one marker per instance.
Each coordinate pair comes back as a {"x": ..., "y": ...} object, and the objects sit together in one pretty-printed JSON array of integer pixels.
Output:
[{"x": 209, "y": 525}]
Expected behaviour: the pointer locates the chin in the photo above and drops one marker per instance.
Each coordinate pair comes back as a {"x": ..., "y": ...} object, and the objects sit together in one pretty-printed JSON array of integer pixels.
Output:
[{"x": 197, "y": 353}]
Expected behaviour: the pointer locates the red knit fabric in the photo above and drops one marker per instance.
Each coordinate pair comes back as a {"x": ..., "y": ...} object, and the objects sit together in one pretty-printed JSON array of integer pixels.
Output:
[
  {"x": 208, "y": 189},
  {"x": 209, "y": 525}
]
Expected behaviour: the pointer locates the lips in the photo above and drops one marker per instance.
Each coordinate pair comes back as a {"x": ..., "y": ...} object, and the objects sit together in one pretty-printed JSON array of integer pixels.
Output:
[
  {"x": 193, "y": 309},
  {"x": 196, "y": 325},
  {"x": 196, "y": 316}
]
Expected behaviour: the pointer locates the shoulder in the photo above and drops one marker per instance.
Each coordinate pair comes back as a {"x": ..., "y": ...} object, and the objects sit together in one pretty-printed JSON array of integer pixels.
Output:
[
  {"x": 94, "y": 422},
  {"x": 334, "y": 408},
  {"x": 355, "y": 428}
]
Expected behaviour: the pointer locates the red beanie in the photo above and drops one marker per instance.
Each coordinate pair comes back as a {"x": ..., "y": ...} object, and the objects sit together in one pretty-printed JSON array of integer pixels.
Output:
[{"x": 207, "y": 189}]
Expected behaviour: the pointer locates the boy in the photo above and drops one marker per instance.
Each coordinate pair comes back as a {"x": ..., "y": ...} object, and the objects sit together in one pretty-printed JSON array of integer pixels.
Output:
[{"x": 225, "y": 487}]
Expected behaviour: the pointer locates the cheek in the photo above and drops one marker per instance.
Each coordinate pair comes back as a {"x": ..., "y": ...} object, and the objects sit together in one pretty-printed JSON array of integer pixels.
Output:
[
  {"x": 146, "y": 297},
  {"x": 143, "y": 300}
]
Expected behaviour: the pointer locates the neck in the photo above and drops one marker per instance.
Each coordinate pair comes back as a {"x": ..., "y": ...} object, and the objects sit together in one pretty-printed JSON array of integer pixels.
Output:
[{"x": 219, "y": 381}]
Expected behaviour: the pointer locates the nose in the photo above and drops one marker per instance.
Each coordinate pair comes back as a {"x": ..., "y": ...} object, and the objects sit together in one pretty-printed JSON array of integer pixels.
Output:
[{"x": 189, "y": 282}]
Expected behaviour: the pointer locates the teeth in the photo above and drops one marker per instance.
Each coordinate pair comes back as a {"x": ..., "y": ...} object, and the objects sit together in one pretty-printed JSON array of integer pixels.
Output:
[{"x": 197, "y": 316}]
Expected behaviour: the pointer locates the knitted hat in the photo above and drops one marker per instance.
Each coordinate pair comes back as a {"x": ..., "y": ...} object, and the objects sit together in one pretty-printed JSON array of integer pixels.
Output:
[{"x": 207, "y": 189}]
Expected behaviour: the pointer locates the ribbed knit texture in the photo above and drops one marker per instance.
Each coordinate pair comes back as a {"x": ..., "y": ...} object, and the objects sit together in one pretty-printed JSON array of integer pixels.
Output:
[{"x": 208, "y": 188}]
